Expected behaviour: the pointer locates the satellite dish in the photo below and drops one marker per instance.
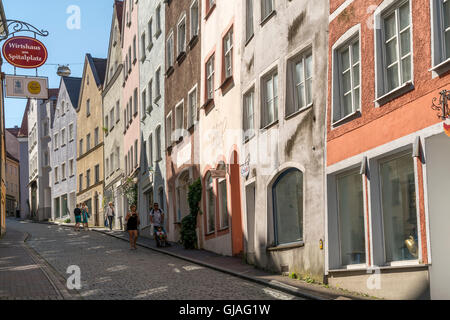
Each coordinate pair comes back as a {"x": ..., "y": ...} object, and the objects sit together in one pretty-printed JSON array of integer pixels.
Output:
[{"x": 63, "y": 71}]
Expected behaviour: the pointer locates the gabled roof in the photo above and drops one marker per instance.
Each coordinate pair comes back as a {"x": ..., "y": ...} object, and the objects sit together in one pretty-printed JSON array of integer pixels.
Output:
[
  {"x": 12, "y": 146},
  {"x": 73, "y": 86},
  {"x": 14, "y": 131},
  {"x": 23, "y": 132},
  {"x": 98, "y": 67}
]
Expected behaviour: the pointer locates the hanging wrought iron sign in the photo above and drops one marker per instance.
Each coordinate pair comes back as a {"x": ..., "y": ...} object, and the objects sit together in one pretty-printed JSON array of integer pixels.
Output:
[{"x": 25, "y": 52}]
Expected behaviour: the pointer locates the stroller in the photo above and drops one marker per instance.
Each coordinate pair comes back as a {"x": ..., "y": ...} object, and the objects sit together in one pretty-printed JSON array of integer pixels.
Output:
[{"x": 161, "y": 237}]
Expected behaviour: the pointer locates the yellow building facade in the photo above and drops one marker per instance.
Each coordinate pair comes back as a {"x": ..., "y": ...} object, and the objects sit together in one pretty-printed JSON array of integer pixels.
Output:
[{"x": 90, "y": 172}]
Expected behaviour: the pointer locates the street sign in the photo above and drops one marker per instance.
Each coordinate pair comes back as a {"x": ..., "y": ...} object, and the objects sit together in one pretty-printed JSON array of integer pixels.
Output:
[
  {"x": 25, "y": 52},
  {"x": 26, "y": 87}
]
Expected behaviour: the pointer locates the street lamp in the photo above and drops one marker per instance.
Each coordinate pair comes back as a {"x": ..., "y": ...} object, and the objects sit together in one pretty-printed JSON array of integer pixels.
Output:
[{"x": 442, "y": 107}]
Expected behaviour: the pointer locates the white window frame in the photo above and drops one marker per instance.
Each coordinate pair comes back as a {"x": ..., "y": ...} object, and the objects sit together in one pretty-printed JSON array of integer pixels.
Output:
[
  {"x": 228, "y": 52},
  {"x": 249, "y": 21},
  {"x": 264, "y": 110},
  {"x": 349, "y": 37},
  {"x": 158, "y": 84},
  {"x": 264, "y": 3},
  {"x": 194, "y": 30},
  {"x": 169, "y": 129},
  {"x": 385, "y": 9},
  {"x": 170, "y": 50},
  {"x": 210, "y": 77},
  {"x": 181, "y": 21},
  {"x": 219, "y": 197},
  {"x": 295, "y": 104},
  {"x": 178, "y": 130},
  {"x": 192, "y": 111},
  {"x": 150, "y": 34},
  {"x": 248, "y": 132},
  {"x": 71, "y": 137}
]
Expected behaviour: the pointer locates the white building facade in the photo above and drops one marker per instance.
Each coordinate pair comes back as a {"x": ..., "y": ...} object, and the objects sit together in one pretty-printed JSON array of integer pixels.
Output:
[
  {"x": 64, "y": 150},
  {"x": 152, "y": 184},
  {"x": 40, "y": 115}
]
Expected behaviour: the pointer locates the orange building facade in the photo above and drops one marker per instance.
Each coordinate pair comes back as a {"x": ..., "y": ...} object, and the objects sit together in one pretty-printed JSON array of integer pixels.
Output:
[{"x": 386, "y": 148}]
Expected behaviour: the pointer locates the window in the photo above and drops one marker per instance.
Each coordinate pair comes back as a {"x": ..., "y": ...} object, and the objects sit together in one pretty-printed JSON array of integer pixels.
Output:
[
  {"x": 169, "y": 51},
  {"x": 266, "y": 9},
  {"x": 158, "y": 83},
  {"x": 158, "y": 20},
  {"x": 209, "y": 5},
  {"x": 81, "y": 147},
  {"x": 56, "y": 175},
  {"x": 130, "y": 159},
  {"x": 130, "y": 112},
  {"x": 194, "y": 19},
  {"x": 288, "y": 207},
  {"x": 150, "y": 150},
  {"x": 55, "y": 139},
  {"x": 143, "y": 103},
  {"x": 88, "y": 142},
  {"x": 150, "y": 95},
  {"x": 248, "y": 19},
  {"x": 228, "y": 53},
  {"x": 179, "y": 120},
  {"x": 181, "y": 36},
  {"x": 192, "y": 110},
  {"x": 210, "y": 204},
  {"x": 398, "y": 202},
  {"x": 301, "y": 78},
  {"x": 224, "y": 218},
  {"x": 395, "y": 44},
  {"x": 169, "y": 129},
  {"x": 88, "y": 178},
  {"x": 441, "y": 31},
  {"x": 270, "y": 99},
  {"x": 117, "y": 158},
  {"x": 249, "y": 120},
  {"x": 129, "y": 59},
  {"x": 117, "y": 111},
  {"x": 210, "y": 78},
  {"x": 107, "y": 124},
  {"x": 88, "y": 107},
  {"x": 107, "y": 167},
  {"x": 70, "y": 132},
  {"x": 80, "y": 183},
  {"x": 71, "y": 168},
  {"x": 96, "y": 137},
  {"x": 135, "y": 106},
  {"x": 97, "y": 174},
  {"x": 46, "y": 159},
  {"x": 126, "y": 164},
  {"x": 143, "y": 47},
  {"x": 150, "y": 34},
  {"x": 63, "y": 171},
  {"x": 134, "y": 49},
  {"x": 158, "y": 143},
  {"x": 111, "y": 118},
  {"x": 351, "y": 218},
  {"x": 348, "y": 75},
  {"x": 135, "y": 153},
  {"x": 125, "y": 119}
]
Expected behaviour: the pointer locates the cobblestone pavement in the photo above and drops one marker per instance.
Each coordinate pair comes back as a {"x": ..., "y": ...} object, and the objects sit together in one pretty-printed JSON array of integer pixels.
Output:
[
  {"x": 21, "y": 276},
  {"x": 109, "y": 270}
]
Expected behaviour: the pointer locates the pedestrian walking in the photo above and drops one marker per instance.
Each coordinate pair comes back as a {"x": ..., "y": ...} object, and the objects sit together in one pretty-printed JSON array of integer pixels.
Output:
[
  {"x": 85, "y": 216},
  {"x": 77, "y": 213},
  {"x": 132, "y": 220},
  {"x": 110, "y": 214}
]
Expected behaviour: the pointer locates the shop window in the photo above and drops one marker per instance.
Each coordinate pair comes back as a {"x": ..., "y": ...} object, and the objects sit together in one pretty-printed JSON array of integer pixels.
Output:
[{"x": 210, "y": 205}]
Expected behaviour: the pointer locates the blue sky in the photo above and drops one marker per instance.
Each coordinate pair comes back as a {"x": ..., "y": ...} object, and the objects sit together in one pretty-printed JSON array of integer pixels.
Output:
[{"x": 65, "y": 46}]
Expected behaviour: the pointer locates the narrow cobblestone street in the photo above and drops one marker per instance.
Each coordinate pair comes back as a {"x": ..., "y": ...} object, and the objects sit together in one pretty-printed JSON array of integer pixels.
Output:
[{"x": 109, "y": 270}]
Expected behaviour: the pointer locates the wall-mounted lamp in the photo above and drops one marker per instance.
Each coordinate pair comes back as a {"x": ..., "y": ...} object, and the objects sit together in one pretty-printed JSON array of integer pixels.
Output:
[{"x": 442, "y": 106}]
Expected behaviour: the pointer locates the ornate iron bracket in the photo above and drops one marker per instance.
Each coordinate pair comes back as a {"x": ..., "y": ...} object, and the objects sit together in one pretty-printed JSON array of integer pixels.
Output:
[
  {"x": 17, "y": 26},
  {"x": 442, "y": 106}
]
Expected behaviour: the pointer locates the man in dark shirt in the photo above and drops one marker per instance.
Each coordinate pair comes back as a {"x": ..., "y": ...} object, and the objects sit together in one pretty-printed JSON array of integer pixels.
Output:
[{"x": 77, "y": 213}]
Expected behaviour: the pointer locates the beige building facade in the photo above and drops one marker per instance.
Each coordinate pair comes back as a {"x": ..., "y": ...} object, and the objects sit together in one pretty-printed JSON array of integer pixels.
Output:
[{"x": 90, "y": 171}]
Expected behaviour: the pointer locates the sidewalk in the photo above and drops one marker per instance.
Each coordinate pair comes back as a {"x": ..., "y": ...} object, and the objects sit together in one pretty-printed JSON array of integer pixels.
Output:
[
  {"x": 236, "y": 267},
  {"x": 22, "y": 275}
]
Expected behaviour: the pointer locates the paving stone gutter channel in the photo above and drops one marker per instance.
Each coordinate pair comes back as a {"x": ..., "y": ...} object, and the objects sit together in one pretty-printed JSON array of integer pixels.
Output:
[{"x": 274, "y": 284}]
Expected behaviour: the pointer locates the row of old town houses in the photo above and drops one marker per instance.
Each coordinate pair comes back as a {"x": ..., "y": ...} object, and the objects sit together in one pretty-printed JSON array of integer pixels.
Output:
[{"x": 308, "y": 124}]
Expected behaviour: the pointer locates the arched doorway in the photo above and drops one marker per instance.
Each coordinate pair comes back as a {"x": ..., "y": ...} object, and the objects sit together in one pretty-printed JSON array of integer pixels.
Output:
[{"x": 287, "y": 193}]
